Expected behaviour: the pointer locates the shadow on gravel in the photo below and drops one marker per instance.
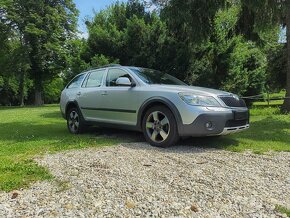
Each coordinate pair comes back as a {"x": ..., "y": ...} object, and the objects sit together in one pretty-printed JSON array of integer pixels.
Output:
[
  {"x": 217, "y": 142},
  {"x": 123, "y": 135},
  {"x": 270, "y": 133},
  {"x": 189, "y": 144}
]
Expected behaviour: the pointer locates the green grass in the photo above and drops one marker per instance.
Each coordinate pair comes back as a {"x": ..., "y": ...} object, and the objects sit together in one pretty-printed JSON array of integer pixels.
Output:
[
  {"x": 283, "y": 210},
  {"x": 281, "y": 94},
  {"x": 26, "y": 133},
  {"x": 29, "y": 132}
]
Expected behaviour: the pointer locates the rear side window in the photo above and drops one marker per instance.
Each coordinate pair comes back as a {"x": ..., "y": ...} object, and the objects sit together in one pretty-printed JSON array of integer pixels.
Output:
[
  {"x": 95, "y": 79},
  {"x": 114, "y": 74},
  {"x": 76, "y": 82}
]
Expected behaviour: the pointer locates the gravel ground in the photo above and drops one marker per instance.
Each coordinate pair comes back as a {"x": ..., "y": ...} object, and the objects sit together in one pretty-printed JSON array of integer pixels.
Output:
[{"x": 135, "y": 179}]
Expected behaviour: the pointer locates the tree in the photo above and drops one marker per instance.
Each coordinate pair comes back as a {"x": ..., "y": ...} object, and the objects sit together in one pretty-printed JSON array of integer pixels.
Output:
[
  {"x": 193, "y": 20},
  {"x": 14, "y": 64},
  {"x": 271, "y": 13},
  {"x": 74, "y": 61},
  {"x": 226, "y": 59},
  {"x": 127, "y": 34},
  {"x": 43, "y": 27}
]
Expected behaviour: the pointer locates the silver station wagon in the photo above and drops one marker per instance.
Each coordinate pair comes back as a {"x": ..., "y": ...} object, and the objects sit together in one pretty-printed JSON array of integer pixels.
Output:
[{"x": 161, "y": 106}]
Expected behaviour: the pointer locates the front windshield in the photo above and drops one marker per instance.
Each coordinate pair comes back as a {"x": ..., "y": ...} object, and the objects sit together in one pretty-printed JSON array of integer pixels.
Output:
[{"x": 156, "y": 77}]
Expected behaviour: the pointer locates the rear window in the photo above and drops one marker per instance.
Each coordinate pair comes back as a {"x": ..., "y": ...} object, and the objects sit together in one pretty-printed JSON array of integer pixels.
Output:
[
  {"x": 76, "y": 82},
  {"x": 95, "y": 79}
]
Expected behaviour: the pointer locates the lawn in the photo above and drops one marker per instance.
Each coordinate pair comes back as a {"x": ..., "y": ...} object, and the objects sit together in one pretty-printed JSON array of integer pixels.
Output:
[
  {"x": 280, "y": 94},
  {"x": 29, "y": 132}
]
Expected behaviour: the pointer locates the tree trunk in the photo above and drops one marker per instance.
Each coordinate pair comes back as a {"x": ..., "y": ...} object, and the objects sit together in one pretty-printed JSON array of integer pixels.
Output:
[
  {"x": 38, "y": 98},
  {"x": 286, "y": 105},
  {"x": 21, "y": 87},
  {"x": 38, "y": 101},
  {"x": 37, "y": 78}
]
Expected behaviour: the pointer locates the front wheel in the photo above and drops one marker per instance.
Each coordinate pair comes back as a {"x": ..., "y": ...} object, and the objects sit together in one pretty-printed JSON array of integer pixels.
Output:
[
  {"x": 159, "y": 127},
  {"x": 75, "y": 123}
]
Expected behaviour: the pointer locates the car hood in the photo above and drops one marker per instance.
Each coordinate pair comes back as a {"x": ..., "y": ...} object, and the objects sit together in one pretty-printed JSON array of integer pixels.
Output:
[{"x": 193, "y": 89}]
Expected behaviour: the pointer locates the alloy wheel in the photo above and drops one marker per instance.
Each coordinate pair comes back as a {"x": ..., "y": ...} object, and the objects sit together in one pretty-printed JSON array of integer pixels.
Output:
[
  {"x": 73, "y": 121},
  {"x": 157, "y": 126}
]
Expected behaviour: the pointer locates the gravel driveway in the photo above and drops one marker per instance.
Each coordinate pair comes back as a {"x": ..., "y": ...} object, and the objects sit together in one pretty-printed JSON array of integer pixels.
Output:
[{"x": 135, "y": 179}]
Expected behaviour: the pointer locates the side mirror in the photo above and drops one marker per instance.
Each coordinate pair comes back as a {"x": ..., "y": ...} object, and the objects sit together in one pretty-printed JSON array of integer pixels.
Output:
[{"x": 124, "y": 81}]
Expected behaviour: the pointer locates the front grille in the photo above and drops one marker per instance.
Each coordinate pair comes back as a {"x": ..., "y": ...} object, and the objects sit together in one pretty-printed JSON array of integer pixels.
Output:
[
  {"x": 230, "y": 101},
  {"x": 236, "y": 123}
]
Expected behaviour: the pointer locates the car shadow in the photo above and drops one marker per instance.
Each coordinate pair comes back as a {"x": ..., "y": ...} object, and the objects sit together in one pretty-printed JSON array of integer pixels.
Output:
[
  {"x": 123, "y": 135},
  {"x": 136, "y": 140}
]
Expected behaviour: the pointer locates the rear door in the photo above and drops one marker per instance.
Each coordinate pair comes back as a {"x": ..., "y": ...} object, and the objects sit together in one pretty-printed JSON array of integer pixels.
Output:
[{"x": 91, "y": 95}]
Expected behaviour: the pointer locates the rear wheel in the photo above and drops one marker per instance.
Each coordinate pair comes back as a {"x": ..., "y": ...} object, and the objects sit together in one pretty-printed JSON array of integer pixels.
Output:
[
  {"x": 159, "y": 127},
  {"x": 75, "y": 123}
]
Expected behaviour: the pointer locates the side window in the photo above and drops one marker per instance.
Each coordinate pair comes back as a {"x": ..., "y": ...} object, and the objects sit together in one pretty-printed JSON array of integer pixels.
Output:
[
  {"x": 76, "y": 82},
  {"x": 95, "y": 78},
  {"x": 114, "y": 74}
]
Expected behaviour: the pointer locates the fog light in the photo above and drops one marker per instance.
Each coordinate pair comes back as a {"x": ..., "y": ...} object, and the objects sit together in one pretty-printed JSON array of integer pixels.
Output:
[{"x": 209, "y": 125}]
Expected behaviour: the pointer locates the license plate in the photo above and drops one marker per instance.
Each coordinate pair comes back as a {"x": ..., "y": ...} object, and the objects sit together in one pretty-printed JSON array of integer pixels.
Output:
[{"x": 241, "y": 115}]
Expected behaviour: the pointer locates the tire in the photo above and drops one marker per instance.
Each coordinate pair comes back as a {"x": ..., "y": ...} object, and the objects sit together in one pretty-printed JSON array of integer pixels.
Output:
[
  {"x": 75, "y": 122},
  {"x": 159, "y": 127}
]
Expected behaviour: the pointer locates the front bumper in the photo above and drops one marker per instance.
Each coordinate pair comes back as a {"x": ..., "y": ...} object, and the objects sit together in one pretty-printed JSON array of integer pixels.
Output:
[
  {"x": 232, "y": 130},
  {"x": 222, "y": 123}
]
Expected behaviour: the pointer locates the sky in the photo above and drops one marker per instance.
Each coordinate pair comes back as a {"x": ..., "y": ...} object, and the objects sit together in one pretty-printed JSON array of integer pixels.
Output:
[{"x": 86, "y": 9}]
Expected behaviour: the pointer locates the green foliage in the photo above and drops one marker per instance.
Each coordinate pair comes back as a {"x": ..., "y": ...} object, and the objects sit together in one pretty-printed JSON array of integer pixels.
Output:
[
  {"x": 247, "y": 67},
  {"x": 52, "y": 90},
  {"x": 8, "y": 94},
  {"x": 101, "y": 60},
  {"x": 191, "y": 20},
  {"x": 283, "y": 210},
  {"x": 277, "y": 67},
  {"x": 42, "y": 27},
  {"x": 227, "y": 47},
  {"x": 75, "y": 61},
  {"x": 1, "y": 81},
  {"x": 226, "y": 60},
  {"x": 125, "y": 33},
  {"x": 267, "y": 13}
]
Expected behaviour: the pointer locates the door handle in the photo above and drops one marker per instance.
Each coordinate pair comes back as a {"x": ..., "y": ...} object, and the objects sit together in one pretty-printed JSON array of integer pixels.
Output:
[{"x": 104, "y": 93}]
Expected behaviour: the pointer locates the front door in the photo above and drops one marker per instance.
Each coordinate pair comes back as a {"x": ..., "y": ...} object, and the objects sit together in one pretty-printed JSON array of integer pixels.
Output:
[{"x": 119, "y": 103}]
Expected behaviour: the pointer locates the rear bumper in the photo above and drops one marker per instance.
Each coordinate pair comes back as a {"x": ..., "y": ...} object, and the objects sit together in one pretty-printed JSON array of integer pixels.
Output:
[
  {"x": 62, "y": 114},
  {"x": 221, "y": 123}
]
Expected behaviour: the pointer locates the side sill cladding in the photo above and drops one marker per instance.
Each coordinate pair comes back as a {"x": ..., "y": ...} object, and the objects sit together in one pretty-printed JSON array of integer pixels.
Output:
[{"x": 160, "y": 100}]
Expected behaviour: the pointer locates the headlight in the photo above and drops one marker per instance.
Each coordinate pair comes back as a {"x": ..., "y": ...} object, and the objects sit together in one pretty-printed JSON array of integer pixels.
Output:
[{"x": 200, "y": 100}]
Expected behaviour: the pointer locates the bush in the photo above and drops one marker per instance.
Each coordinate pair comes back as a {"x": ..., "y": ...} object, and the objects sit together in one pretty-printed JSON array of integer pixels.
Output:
[
  {"x": 52, "y": 90},
  {"x": 247, "y": 69},
  {"x": 238, "y": 66},
  {"x": 101, "y": 60},
  {"x": 277, "y": 67}
]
